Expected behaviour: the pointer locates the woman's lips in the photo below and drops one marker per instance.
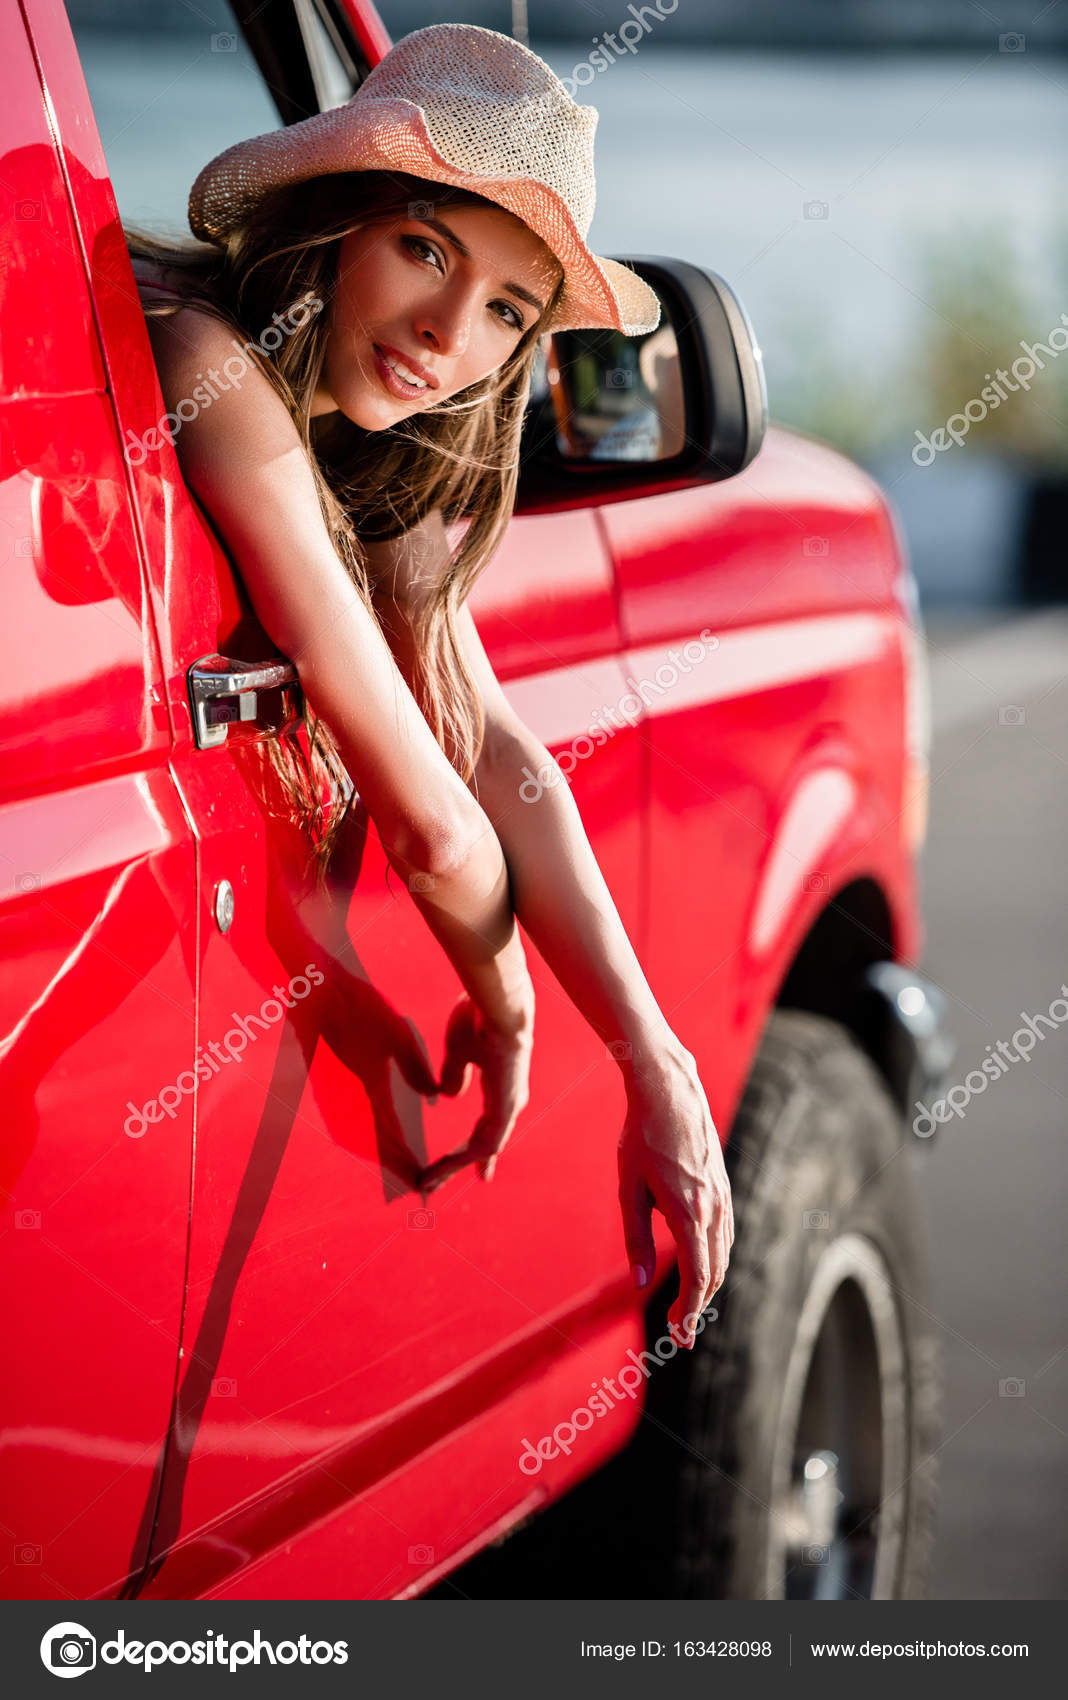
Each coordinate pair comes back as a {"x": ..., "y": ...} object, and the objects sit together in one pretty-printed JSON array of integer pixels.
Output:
[{"x": 393, "y": 382}]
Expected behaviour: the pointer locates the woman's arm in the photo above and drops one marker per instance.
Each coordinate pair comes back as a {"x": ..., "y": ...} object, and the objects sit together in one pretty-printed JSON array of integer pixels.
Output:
[
  {"x": 243, "y": 457},
  {"x": 558, "y": 890},
  {"x": 670, "y": 1152}
]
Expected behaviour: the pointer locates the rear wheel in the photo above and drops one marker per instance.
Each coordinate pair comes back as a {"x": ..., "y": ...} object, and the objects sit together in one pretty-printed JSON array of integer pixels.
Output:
[{"x": 807, "y": 1412}]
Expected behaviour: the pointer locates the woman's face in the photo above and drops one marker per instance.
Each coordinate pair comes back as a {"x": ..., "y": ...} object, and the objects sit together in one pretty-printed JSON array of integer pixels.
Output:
[{"x": 407, "y": 292}]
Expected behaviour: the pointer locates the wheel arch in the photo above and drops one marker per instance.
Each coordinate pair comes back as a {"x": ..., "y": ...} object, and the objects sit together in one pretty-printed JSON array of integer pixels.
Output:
[{"x": 853, "y": 930}]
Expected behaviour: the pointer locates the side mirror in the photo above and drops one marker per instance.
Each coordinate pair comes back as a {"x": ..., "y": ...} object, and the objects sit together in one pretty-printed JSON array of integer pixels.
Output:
[{"x": 611, "y": 416}]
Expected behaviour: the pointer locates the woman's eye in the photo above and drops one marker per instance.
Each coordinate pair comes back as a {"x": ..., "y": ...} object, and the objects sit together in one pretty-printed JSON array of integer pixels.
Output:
[
  {"x": 417, "y": 242},
  {"x": 514, "y": 319}
]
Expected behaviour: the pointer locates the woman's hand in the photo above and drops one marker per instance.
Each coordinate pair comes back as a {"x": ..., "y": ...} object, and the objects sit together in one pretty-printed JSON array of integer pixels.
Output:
[
  {"x": 503, "y": 1056},
  {"x": 669, "y": 1158}
]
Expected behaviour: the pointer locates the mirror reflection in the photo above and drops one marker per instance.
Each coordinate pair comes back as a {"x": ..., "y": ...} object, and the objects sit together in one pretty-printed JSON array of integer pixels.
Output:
[{"x": 613, "y": 397}]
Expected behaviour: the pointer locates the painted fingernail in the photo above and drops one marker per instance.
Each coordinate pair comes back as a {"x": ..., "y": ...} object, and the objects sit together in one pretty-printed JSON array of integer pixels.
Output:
[{"x": 638, "y": 1272}]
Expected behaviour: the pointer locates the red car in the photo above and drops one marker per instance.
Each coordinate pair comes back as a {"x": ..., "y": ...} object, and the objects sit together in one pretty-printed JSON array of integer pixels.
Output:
[{"x": 240, "y": 1360}]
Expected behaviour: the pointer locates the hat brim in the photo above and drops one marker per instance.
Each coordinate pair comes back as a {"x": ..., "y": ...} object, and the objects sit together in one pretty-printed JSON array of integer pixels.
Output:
[{"x": 384, "y": 135}]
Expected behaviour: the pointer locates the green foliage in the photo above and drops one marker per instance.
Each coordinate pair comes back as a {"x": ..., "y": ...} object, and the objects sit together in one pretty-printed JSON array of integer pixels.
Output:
[
  {"x": 984, "y": 303},
  {"x": 813, "y": 386},
  {"x": 978, "y": 298}
]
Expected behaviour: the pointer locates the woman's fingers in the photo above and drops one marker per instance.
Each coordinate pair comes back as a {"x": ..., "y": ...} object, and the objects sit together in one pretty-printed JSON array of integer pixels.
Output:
[
  {"x": 701, "y": 1227},
  {"x": 456, "y": 1077},
  {"x": 636, "y": 1203},
  {"x": 487, "y": 1141},
  {"x": 504, "y": 1064},
  {"x": 695, "y": 1273},
  {"x": 718, "y": 1257},
  {"x": 459, "y": 1063},
  {"x": 434, "y": 1173},
  {"x": 482, "y": 1148},
  {"x": 461, "y": 1050}
]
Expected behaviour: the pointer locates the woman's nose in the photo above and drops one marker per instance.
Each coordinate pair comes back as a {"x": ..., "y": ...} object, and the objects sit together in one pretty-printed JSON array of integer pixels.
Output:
[{"x": 446, "y": 327}]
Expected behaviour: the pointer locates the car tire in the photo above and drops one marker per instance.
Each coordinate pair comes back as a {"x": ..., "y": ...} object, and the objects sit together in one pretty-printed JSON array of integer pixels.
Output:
[
  {"x": 684, "y": 1510},
  {"x": 808, "y": 1409}
]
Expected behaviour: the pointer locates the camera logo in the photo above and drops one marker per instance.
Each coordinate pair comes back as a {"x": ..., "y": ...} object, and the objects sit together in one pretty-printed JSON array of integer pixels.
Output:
[{"x": 68, "y": 1649}]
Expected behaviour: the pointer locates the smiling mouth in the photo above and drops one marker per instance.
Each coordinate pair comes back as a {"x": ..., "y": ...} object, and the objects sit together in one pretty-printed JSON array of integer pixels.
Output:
[{"x": 386, "y": 366}]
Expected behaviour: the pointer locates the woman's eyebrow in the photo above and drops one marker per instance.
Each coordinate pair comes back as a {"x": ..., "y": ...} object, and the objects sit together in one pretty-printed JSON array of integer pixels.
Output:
[{"x": 462, "y": 248}]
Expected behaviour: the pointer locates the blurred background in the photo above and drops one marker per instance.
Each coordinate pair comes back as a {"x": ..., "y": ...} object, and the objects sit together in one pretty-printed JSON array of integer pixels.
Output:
[{"x": 882, "y": 186}]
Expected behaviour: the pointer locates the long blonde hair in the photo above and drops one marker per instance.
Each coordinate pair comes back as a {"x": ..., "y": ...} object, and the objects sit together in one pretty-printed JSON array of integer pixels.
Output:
[{"x": 461, "y": 455}]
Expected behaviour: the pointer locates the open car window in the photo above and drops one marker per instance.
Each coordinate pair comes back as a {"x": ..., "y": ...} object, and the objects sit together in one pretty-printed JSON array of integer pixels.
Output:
[
  {"x": 171, "y": 85},
  {"x": 175, "y": 83}
]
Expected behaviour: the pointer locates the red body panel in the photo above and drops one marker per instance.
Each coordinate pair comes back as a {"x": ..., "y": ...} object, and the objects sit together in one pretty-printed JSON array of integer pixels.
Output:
[
  {"x": 776, "y": 760},
  {"x": 97, "y": 928},
  {"x": 353, "y": 1378}
]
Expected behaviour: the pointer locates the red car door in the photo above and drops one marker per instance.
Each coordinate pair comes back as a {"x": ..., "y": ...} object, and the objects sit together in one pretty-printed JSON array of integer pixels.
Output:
[
  {"x": 339, "y": 1334},
  {"x": 97, "y": 926},
  {"x": 358, "y": 1372}
]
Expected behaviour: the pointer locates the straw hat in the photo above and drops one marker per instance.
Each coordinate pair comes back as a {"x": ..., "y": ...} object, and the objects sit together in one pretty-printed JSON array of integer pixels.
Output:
[{"x": 461, "y": 105}]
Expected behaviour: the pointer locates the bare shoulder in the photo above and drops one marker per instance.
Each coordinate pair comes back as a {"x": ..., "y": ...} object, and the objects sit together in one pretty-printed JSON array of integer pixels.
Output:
[
  {"x": 231, "y": 419},
  {"x": 184, "y": 339},
  {"x": 241, "y": 454}
]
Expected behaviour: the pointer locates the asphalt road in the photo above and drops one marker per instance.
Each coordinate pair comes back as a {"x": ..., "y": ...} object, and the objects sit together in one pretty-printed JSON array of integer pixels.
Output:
[
  {"x": 996, "y": 916},
  {"x": 993, "y": 874}
]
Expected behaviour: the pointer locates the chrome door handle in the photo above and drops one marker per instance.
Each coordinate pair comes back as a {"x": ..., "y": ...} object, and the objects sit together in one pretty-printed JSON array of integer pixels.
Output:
[{"x": 225, "y": 693}]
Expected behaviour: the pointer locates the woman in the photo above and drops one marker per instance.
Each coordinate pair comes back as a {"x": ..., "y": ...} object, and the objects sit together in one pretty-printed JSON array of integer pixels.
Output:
[{"x": 395, "y": 261}]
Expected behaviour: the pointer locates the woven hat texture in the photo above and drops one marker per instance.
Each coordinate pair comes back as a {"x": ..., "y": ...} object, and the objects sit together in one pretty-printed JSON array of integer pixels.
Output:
[{"x": 461, "y": 105}]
